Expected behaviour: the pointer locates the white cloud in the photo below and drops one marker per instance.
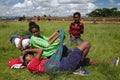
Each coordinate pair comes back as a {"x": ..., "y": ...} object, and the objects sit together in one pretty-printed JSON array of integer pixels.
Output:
[
  {"x": 52, "y": 7},
  {"x": 75, "y": 1},
  {"x": 54, "y": 3},
  {"x": 27, "y": 3},
  {"x": 91, "y": 6},
  {"x": 111, "y": 1},
  {"x": 118, "y": 4}
]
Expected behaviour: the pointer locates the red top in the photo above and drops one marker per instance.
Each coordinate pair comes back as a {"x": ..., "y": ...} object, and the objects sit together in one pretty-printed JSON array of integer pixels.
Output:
[
  {"x": 36, "y": 65},
  {"x": 14, "y": 61},
  {"x": 76, "y": 29}
]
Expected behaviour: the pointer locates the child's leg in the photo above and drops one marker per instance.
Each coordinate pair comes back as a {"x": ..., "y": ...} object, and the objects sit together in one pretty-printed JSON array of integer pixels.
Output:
[
  {"x": 69, "y": 43},
  {"x": 74, "y": 58},
  {"x": 71, "y": 61},
  {"x": 88, "y": 61},
  {"x": 65, "y": 51},
  {"x": 84, "y": 46},
  {"x": 78, "y": 40},
  {"x": 51, "y": 36}
]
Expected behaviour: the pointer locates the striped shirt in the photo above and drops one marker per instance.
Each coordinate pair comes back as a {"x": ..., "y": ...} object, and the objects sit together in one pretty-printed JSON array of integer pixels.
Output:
[{"x": 76, "y": 29}]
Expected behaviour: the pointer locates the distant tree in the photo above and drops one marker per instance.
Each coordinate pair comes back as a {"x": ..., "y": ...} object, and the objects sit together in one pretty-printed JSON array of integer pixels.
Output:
[
  {"x": 44, "y": 16},
  {"x": 105, "y": 12}
]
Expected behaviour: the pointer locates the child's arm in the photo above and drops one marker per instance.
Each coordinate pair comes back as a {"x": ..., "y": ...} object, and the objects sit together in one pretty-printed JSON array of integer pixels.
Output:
[
  {"x": 70, "y": 29},
  {"x": 72, "y": 37},
  {"x": 82, "y": 28},
  {"x": 24, "y": 37},
  {"x": 38, "y": 52},
  {"x": 20, "y": 44}
]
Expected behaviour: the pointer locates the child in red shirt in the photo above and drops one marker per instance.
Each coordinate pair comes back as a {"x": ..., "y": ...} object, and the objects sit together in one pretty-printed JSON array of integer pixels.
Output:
[
  {"x": 34, "y": 63},
  {"x": 69, "y": 63},
  {"x": 76, "y": 29}
]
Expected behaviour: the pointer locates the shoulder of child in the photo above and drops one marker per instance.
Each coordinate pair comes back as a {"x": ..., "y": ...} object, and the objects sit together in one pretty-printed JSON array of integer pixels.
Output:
[
  {"x": 81, "y": 23},
  {"x": 72, "y": 23}
]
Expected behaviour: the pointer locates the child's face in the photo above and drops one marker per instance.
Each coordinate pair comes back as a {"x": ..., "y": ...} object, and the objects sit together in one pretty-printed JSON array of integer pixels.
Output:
[
  {"x": 76, "y": 18},
  {"x": 29, "y": 57},
  {"x": 35, "y": 32}
]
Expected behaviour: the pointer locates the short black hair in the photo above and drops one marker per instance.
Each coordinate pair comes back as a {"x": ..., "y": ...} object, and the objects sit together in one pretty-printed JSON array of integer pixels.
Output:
[
  {"x": 33, "y": 25},
  {"x": 24, "y": 56},
  {"x": 76, "y": 13},
  {"x": 29, "y": 53}
]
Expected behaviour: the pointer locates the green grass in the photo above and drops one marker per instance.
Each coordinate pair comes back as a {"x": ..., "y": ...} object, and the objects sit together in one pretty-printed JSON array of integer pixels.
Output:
[{"x": 105, "y": 45}]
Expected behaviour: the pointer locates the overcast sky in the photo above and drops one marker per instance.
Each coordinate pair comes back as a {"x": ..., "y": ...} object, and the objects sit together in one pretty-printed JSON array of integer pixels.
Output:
[{"x": 53, "y": 7}]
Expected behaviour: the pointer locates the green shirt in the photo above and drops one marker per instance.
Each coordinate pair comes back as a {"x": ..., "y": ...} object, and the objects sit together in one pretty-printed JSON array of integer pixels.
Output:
[{"x": 43, "y": 42}]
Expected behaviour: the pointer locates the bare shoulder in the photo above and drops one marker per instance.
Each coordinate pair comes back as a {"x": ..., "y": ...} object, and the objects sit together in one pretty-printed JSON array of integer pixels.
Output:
[{"x": 81, "y": 22}]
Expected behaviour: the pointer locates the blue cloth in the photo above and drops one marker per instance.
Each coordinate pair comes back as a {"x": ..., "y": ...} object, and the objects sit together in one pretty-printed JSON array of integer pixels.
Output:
[
  {"x": 59, "y": 63},
  {"x": 12, "y": 38},
  {"x": 29, "y": 36},
  {"x": 70, "y": 62},
  {"x": 53, "y": 63}
]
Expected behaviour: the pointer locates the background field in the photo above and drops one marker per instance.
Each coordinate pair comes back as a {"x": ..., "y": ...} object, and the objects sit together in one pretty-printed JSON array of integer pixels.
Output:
[{"x": 104, "y": 38}]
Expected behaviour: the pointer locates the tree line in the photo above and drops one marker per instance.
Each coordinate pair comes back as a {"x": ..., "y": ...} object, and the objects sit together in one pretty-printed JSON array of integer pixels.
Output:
[{"x": 105, "y": 12}]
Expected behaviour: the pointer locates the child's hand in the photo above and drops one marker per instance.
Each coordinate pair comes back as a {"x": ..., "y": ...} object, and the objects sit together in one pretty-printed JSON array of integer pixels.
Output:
[
  {"x": 23, "y": 52},
  {"x": 21, "y": 37},
  {"x": 73, "y": 37}
]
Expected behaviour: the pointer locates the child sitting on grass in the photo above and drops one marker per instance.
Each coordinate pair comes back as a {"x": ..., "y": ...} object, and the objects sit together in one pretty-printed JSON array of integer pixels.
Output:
[{"x": 75, "y": 30}]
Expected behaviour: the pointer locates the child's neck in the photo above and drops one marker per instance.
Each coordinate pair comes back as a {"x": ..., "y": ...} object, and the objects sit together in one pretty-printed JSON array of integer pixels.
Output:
[
  {"x": 38, "y": 36},
  {"x": 77, "y": 22}
]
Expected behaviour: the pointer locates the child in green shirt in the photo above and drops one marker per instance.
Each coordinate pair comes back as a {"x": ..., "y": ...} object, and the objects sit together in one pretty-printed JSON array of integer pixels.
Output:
[{"x": 49, "y": 45}]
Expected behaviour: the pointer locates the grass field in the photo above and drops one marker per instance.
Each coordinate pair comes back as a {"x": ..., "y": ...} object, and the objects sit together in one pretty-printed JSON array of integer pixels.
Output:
[{"x": 104, "y": 38}]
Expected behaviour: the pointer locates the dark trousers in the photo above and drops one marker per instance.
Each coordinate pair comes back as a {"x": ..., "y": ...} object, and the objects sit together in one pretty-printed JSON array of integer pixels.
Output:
[{"x": 70, "y": 62}]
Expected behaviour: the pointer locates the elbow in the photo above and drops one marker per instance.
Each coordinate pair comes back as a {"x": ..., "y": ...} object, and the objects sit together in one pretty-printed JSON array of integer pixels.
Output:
[{"x": 40, "y": 49}]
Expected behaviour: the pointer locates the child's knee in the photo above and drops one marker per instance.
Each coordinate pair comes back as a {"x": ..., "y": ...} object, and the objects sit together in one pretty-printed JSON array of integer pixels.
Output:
[
  {"x": 84, "y": 45},
  {"x": 87, "y": 44}
]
